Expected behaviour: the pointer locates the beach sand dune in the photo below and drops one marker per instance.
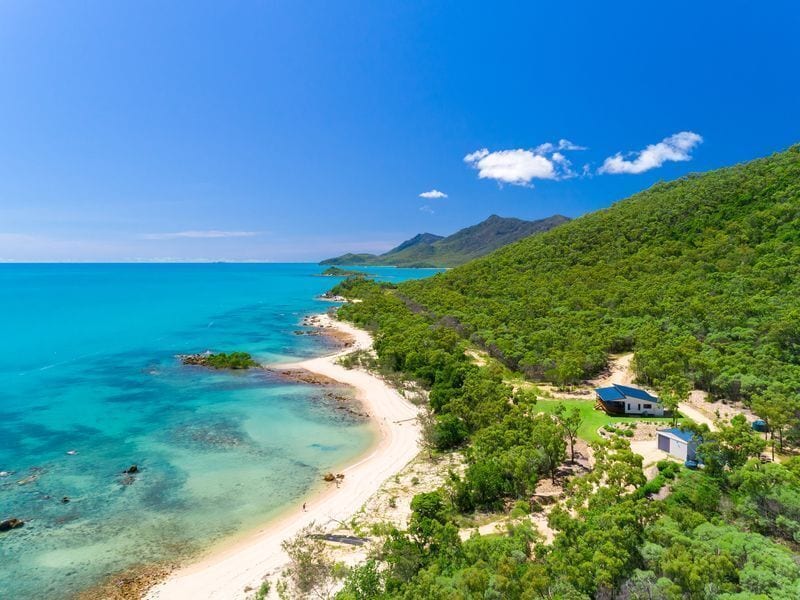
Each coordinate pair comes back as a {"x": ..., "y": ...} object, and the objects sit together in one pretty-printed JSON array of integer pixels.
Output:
[{"x": 227, "y": 573}]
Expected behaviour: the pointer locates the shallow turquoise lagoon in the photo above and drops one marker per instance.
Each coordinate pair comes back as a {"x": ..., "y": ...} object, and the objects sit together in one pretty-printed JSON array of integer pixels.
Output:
[{"x": 87, "y": 364}]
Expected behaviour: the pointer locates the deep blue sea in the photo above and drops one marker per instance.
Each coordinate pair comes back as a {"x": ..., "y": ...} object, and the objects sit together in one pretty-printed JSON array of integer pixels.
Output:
[{"x": 90, "y": 384}]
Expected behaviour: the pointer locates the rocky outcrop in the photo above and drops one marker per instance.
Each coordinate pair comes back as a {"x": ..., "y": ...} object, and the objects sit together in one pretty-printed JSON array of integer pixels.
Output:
[
  {"x": 220, "y": 360},
  {"x": 10, "y": 524}
]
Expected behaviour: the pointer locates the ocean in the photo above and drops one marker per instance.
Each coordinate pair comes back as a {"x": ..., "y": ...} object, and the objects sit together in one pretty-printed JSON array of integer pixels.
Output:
[{"x": 90, "y": 385}]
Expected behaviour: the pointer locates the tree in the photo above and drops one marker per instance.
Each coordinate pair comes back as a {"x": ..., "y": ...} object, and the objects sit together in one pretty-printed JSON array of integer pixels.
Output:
[
  {"x": 570, "y": 421},
  {"x": 449, "y": 432},
  {"x": 740, "y": 442},
  {"x": 311, "y": 572},
  {"x": 675, "y": 390},
  {"x": 568, "y": 370},
  {"x": 731, "y": 446},
  {"x": 524, "y": 397},
  {"x": 548, "y": 438},
  {"x": 486, "y": 484},
  {"x": 778, "y": 406},
  {"x": 427, "y": 430},
  {"x": 364, "y": 582}
]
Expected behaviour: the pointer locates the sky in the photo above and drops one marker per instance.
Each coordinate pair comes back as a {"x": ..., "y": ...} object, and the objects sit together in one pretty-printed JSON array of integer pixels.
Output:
[{"x": 295, "y": 131}]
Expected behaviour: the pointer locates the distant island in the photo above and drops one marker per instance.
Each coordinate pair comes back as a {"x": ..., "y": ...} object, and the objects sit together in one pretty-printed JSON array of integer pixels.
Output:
[
  {"x": 431, "y": 250},
  {"x": 220, "y": 360},
  {"x": 339, "y": 272}
]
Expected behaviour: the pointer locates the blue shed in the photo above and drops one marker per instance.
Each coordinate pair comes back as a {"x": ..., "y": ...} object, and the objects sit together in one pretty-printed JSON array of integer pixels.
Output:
[{"x": 679, "y": 443}]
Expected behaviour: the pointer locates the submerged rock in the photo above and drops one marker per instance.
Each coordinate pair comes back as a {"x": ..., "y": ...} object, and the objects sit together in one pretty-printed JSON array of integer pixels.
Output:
[
  {"x": 10, "y": 524},
  {"x": 28, "y": 479},
  {"x": 213, "y": 433},
  {"x": 132, "y": 469}
]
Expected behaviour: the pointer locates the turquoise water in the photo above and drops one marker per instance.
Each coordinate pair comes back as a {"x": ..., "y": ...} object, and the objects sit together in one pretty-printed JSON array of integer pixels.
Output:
[{"x": 87, "y": 363}]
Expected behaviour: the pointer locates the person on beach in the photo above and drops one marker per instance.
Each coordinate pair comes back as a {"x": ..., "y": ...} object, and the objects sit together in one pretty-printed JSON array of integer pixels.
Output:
[{"x": 304, "y": 507}]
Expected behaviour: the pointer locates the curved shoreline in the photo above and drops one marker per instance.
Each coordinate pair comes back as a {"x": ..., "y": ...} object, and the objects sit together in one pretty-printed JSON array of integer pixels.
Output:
[{"x": 226, "y": 573}]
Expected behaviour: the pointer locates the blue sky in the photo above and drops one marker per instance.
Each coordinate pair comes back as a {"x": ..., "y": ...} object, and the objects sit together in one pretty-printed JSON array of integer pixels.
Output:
[{"x": 298, "y": 130}]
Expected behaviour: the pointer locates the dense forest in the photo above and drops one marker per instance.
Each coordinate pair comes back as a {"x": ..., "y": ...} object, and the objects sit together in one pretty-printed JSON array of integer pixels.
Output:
[
  {"x": 727, "y": 532},
  {"x": 700, "y": 277}
]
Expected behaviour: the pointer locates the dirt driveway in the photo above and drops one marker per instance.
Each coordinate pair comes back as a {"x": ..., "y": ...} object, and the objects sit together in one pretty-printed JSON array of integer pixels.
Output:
[{"x": 695, "y": 415}]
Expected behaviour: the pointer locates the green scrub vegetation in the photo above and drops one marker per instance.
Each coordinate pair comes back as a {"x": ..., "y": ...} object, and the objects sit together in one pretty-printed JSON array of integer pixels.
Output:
[
  {"x": 726, "y": 532},
  {"x": 700, "y": 279}
]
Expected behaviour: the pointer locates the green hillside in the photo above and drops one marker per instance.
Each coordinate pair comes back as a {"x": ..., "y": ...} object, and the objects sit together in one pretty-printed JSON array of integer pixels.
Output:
[
  {"x": 430, "y": 250},
  {"x": 700, "y": 277}
]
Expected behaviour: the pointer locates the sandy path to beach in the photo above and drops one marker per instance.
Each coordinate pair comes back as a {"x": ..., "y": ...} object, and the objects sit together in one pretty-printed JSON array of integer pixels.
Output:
[{"x": 226, "y": 574}]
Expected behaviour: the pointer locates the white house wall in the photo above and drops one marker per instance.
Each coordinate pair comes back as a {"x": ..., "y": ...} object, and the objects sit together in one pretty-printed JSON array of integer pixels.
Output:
[{"x": 636, "y": 408}]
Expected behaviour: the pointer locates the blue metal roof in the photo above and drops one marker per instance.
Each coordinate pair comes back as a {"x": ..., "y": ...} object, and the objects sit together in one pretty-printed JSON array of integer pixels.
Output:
[
  {"x": 633, "y": 392},
  {"x": 609, "y": 394},
  {"x": 683, "y": 434},
  {"x": 619, "y": 392}
]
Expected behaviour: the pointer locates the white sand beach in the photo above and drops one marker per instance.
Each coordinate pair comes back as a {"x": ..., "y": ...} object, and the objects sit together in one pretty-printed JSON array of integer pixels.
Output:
[{"x": 226, "y": 574}]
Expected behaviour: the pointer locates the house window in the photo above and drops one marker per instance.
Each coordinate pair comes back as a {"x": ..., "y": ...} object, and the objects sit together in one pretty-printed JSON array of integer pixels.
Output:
[
  {"x": 629, "y": 405},
  {"x": 639, "y": 407},
  {"x": 648, "y": 406}
]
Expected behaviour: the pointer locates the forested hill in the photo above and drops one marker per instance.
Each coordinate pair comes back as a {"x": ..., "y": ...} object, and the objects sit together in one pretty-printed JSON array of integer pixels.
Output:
[
  {"x": 699, "y": 276},
  {"x": 430, "y": 250}
]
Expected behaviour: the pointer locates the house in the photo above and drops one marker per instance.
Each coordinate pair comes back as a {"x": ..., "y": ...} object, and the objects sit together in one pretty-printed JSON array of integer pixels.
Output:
[
  {"x": 678, "y": 442},
  {"x": 627, "y": 400}
]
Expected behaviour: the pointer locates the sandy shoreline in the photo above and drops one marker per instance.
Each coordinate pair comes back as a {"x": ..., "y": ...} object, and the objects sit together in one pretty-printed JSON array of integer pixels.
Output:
[{"x": 227, "y": 573}]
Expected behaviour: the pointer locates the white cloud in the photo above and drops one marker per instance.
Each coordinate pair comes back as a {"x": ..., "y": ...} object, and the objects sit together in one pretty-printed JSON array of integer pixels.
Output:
[
  {"x": 476, "y": 156},
  {"x": 427, "y": 209},
  {"x": 520, "y": 166},
  {"x": 202, "y": 234},
  {"x": 433, "y": 194},
  {"x": 562, "y": 144},
  {"x": 677, "y": 147},
  {"x": 567, "y": 145}
]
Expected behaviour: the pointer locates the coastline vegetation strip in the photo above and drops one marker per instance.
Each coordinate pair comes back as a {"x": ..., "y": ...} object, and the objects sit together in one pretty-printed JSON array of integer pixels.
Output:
[{"x": 728, "y": 528}]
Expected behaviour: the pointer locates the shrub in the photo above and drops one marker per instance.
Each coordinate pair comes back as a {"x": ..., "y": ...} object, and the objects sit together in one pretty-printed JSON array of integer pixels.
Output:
[{"x": 521, "y": 508}]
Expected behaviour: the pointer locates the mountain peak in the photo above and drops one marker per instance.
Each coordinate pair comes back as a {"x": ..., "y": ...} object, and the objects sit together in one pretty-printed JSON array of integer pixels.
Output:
[
  {"x": 420, "y": 238},
  {"x": 431, "y": 250}
]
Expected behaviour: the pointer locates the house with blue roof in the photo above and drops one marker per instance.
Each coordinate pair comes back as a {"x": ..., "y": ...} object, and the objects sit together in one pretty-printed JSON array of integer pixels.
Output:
[
  {"x": 679, "y": 443},
  {"x": 620, "y": 399}
]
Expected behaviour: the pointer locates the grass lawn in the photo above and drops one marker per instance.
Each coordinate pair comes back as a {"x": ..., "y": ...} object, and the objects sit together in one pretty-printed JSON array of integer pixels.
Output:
[{"x": 594, "y": 419}]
